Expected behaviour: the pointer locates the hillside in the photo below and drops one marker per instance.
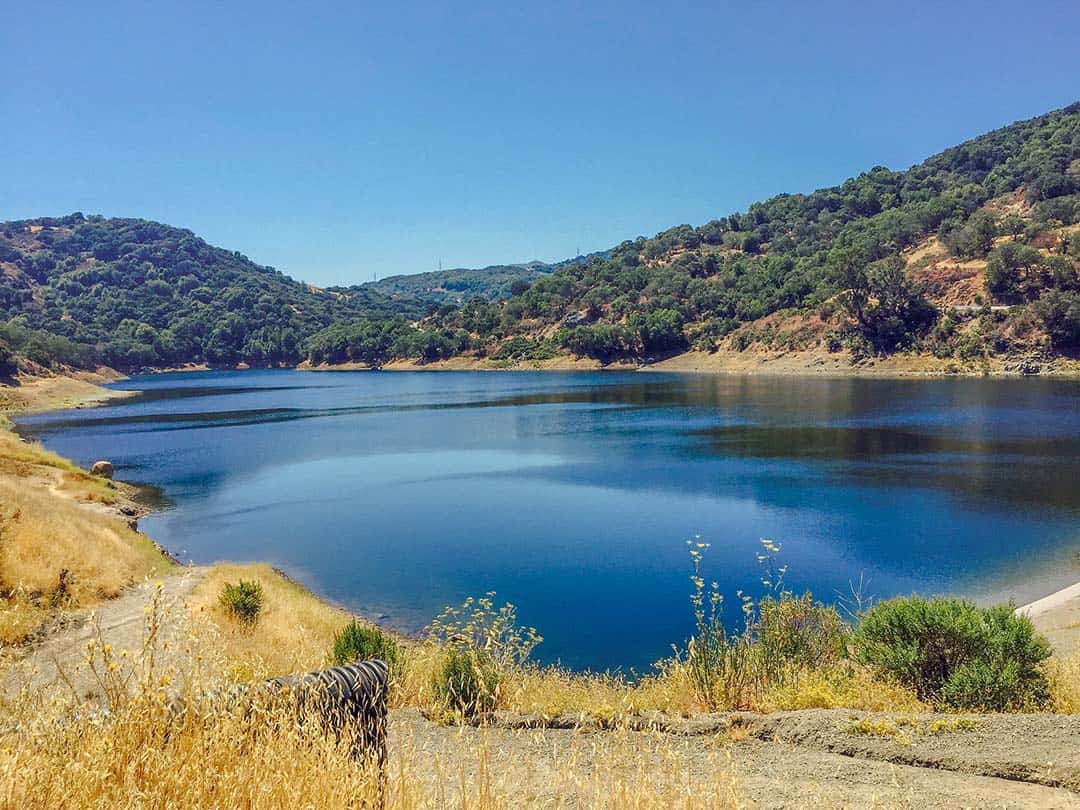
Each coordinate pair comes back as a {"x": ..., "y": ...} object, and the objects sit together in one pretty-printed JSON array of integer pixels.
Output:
[
  {"x": 132, "y": 293},
  {"x": 969, "y": 256},
  {"x": 462, "y": 284},
  {"x": 967, "y": 260}
]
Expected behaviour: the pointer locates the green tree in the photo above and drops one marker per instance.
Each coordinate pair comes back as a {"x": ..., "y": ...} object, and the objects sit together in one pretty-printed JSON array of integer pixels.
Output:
[
  {"x": 1060, "y": 314},
  {"x": 1011, "y": 269},
  {"x": 663, "y": 330}
]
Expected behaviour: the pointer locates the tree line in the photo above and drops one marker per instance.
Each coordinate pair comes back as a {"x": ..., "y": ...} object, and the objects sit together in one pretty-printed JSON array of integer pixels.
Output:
[{"x": 133, "y": 293}]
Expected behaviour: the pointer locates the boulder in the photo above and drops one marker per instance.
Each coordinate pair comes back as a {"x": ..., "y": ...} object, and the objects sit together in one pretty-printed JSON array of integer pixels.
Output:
[{"x": 104, "y": 469}]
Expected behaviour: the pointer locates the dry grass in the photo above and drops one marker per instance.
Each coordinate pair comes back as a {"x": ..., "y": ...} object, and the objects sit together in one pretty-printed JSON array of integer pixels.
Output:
[
  {"x": 256, "y": 755},
  {"x": 258, "y": 761},
  {"x": 847, "y": 687},
  {"x": 33, "y": 465},
  {"x": 294, "y": 632},
  {"x": 555, "y": 693},
  {"x": 47, "y": 528},
  {"x": 1063, "y": 672},
  {"x": 42, "y": 535},
  {"x": 139, "y": 754}
]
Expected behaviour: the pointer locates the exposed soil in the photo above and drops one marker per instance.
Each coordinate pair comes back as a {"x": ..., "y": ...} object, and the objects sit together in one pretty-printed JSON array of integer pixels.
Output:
[
  {"x": 48, "y": 392},
  {"x": 798, "y": 759},
  {"x": 56, "y": 664}
]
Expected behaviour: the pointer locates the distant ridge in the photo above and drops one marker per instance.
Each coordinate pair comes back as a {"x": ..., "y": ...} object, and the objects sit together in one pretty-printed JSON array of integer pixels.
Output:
[
  {"x": 969, "y": 257},
  {"x": 458, "y": 285}
]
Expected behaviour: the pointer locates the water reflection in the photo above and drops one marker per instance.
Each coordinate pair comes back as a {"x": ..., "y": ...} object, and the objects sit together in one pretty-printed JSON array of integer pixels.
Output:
[{"x": 572, "y": 494}]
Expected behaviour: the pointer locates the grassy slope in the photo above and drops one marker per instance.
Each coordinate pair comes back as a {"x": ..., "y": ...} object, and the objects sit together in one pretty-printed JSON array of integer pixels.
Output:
[{"x": 61, "y": 545}]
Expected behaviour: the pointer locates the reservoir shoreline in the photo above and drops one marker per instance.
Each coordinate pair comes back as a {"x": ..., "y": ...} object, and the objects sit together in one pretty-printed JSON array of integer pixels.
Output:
[{"x": 1057, "y": 613}]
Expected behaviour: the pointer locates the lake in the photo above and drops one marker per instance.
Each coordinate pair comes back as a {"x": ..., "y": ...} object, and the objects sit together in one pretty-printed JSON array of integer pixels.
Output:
[{"x": 573, "y": 494}]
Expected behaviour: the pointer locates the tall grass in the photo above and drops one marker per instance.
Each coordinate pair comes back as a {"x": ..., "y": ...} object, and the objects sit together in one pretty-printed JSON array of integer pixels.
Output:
[
  {"x": 145, "y": 752},
  {"x": 295, "y": 631},
  {"x": 56, "y": 553},
  {"x": 1063, "y": 674}
]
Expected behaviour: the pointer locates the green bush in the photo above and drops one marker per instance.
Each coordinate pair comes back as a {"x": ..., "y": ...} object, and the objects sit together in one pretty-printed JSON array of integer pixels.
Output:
[
  {"x": 361, "y": 642},
  {"x": 243, "y": 600},
  {"x": 796, "y": 631},
  {"x": 482, "y": 644},
  {"x": 955, "y": 654},
  {"x": 9, "y": 362},
  {"x": 467, "y": 684}
]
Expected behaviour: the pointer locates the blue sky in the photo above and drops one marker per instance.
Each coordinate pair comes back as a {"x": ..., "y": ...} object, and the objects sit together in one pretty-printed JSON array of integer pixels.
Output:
[{"x": 339, "y": 141}]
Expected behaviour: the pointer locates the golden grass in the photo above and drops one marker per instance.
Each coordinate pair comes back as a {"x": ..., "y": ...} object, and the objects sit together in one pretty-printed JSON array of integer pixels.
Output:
[
  {"x": 260, "y": 760},
  {"x": 842, "y": 688},
  {"x": 257, "y": 755},
  {"x": 1063, "y": 672},
  {"x": 20, "y": 618},
  {"x": 551, "y": 692},
  {"x": 124, "y": 762},
  {"x": 45, "y": 529},
  {"x": 294, "y": 632},
  {"x": 42, "y": 535}
]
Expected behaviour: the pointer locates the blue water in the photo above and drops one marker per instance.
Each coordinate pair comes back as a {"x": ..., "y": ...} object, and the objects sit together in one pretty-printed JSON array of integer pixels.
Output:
[{"x": 573, "y": 495}]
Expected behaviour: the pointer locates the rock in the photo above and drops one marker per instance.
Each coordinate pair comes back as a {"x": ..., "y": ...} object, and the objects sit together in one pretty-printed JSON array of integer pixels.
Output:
[
  {"x": 104, "y": 469},
  {"x": 1028, "y": 367}
]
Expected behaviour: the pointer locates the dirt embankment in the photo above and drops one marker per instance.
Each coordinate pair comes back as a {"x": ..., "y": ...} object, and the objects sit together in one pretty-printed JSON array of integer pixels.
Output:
[
  {"x": 467, "y": 363},
  {"x": 797, "y": 759},
  {"x": 811, "y": 363},
  {"x": 53, "y": 392}
]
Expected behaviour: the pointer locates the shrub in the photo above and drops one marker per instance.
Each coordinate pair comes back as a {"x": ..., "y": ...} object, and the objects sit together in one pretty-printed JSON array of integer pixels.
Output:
[
  {"x": 243, "y": 601},
  {"x": 482, "y": 645},
  {"x": 361, "y": 642},
  {"x": 467, "y": 684},
  {"x": 9, "y": 362},
  {"x": 783, "y": 638},
  {"x": 955, "y": 654},
  {"x": 797, "y": 632},
  {"x": 1060, "y": 313}
]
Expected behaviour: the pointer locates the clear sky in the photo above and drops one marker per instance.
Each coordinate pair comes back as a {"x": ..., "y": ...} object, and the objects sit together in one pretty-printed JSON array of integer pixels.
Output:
[{"x": 338, "y": 141}]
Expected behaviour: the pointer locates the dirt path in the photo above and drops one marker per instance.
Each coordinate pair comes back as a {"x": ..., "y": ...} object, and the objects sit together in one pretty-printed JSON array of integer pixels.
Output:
[
  {"x": 796, "y": 759},
  {"x": 120, "y": 622}
]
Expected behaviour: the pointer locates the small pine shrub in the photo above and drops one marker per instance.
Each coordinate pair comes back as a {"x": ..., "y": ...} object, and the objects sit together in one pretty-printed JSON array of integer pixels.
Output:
[
  {"x": 361, "y": 642},
  {"x": 955, "y": 654},
  {"x": 242, "y": 600},
  {"x": 467, "y": 684}
]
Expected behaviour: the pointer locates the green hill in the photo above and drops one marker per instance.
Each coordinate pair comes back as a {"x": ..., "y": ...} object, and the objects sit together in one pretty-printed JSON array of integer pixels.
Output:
[
  {"x": 130, "y": 293},
  {"x": 462, "y": 284},
  {"x": 970, "y": 254}
]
